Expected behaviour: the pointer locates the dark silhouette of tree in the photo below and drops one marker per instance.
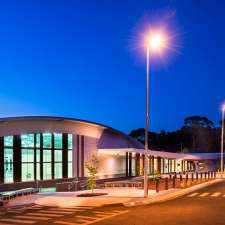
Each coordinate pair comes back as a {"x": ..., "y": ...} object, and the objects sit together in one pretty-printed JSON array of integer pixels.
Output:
[
  {"x": 196, "y": 135},
  {"x": 198, "y": 121}
]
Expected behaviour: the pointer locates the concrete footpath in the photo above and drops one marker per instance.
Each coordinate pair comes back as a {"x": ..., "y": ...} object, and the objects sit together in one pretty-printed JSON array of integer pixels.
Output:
[
  {"x": 125, "y": 196},
  {"x": 170, "y": 194}
]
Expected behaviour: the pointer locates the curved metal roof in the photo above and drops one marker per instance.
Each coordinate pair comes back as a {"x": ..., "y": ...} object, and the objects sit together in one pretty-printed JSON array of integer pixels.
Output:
[{"x": 59, "y": 118}]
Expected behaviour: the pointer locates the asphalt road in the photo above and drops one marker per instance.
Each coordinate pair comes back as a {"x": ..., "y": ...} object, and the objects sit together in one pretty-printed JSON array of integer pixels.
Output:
[{"x": 204, "y": 207}]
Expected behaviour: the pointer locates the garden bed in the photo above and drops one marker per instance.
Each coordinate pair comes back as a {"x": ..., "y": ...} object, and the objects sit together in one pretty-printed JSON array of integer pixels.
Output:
[{"x": 91, "y": 194}]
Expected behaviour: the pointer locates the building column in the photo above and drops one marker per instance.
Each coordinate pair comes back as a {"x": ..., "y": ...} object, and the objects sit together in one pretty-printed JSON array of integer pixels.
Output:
[
  {"x": 175, "y": 165},
  {"x": 41, "y": 156},
  {"x": 1, "y": 160},
  {"x": 53, "y": 157},
  {"x": 163, "y": 165},
  {"x": 65, "y": 155},
  {"x": 127, "y": 165},
  {"x": 78, "y": 156},
  {"x": 137, "y": 164},
  {"x": 158, "y": 167},
  {"x": 16, "y": 158},
  {"x": 82, "y": 156},
  {"x": 153, "y": 165},
  {"x": 130, "y": 164},
  {"x": 149, "y": 165},
  {"x": 35, "y": 157}
]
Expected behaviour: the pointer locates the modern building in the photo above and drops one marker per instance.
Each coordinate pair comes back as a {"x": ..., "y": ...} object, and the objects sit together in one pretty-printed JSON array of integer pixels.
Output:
[{"x": 49, "y": 149}]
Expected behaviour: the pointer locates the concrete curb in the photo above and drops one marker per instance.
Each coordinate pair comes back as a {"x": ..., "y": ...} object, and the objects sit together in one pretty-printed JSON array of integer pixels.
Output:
[{"x": 172, "y": 195}]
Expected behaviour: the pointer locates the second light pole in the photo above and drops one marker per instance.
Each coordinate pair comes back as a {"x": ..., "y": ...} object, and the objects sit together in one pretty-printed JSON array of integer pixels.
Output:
[{"x": 222, "y": 142}]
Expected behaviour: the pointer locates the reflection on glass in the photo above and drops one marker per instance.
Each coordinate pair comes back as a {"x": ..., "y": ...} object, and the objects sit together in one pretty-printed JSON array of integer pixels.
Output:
[
  {"x": 47, "y": 171},
  {"x": 27, "y": 140},
  {"x": 58, "y": 170},
  {"x": 47, "y": 140},
  {"x": 8, "y": 141},
  {"x": 57, "y": 140},
  {"x": 27, "y": 171},
  {"x": 58, "y": 155},
  {"x": 47, "y": 155},
  {"x": 8, "y": 165},
  {"x": 27, "y": 155},
  {"x": 70, "y": 141}
]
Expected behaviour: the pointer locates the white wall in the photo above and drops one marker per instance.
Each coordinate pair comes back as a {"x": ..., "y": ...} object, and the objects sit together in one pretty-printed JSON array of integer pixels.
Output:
[{"x": 111, "y": 165}]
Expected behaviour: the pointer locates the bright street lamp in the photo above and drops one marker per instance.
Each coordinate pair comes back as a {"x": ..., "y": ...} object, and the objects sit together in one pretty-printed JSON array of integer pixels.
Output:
[
  {"x": 155, "y": 43},
  {"x": 222, "y": 142}
]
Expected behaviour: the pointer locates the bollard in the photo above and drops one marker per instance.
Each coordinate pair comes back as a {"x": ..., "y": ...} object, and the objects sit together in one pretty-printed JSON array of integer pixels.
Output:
[
  {"x": 201, "y": 175},
  {"x": 192, "y": 177},
  {"x": 174, "y": 181},
  {"x": 157, "y": 185},
  {"x": 208, "y": 175},
  {"x": 181, "y": 177},
  {"x": 197, "y": 176},
  {"x": 166, "y": 183},
  {"x": 186, "y": 180},
  {"x": 175, "y": 174},
  {"x": 170, "y": 176}
]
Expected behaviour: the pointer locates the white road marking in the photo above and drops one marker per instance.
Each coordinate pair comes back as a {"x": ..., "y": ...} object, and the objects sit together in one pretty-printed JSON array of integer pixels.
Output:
[
  {"x": 6, "y": 224},
  {"x": 67, "y": 223},
  {"x": 193, "y": 194},
  {"x": 204, "y": 194},
  {"x": 216, "y": 194},
  {"x": 54, "y": 211},
  {"x": 18, "y": 221},
  {"x": 83, "y": 220},
  {"x": 67, "y": 210},
  {"x": 33, "y": 217},
  {"x": 44, "y": 214}
]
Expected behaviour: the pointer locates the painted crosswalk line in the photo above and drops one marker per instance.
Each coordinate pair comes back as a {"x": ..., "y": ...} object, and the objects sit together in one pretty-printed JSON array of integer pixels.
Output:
[
  {"x": 67, "y": 209},
  {"x": 44, "y": 214},
  {"x": 18, "y": 221},
  {"x": 54, "y": 211},
  {"x": 33, "y": 217},
  {"x": 204, "y": 194},
  {"x": 86, "y": 220},
  {"x": 193, "y": 194},
  {"x": 5, "y": 223},
  {"x": 216, "y": 194}
]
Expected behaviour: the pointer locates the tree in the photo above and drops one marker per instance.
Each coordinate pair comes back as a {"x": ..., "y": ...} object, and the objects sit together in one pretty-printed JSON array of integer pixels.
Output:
[
  {"x": 198, "y": 121},
  {"x": 197, "y": 134},
  {"x": 92, "y": 167}
]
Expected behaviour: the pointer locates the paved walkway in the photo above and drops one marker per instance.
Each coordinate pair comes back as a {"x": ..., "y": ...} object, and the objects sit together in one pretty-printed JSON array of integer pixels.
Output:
[{"x": 126, "y": 196}]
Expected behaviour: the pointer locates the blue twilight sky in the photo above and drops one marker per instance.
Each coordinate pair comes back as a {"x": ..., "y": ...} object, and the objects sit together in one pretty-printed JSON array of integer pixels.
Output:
[{"x": 76, "y": 58}]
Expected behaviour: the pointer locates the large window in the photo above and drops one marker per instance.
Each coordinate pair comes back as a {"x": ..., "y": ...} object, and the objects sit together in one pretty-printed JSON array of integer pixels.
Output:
[
  {"x": 8, "y": 141},
  {"x": 41, "y": 154},
  {"x": 27, "y": 157},
  {"x": 8, "y": 159},
  {"x": 8, "y": 165},
  {"x": 47, "y": 140},
  {"x": 57, "y": 140},
  {"x": 58, "y": 155},
  {"x": 27, "y": 140},
  {"x": 47, "y": 165},
  {"x": 27, "y": 164}
]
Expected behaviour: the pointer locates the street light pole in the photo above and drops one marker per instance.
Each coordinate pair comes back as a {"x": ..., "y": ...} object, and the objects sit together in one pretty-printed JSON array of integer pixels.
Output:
[
  {"x": 155, "y": 42},
  {"x": 222, "y": 141},
  {"x": 146, "y": 127}
]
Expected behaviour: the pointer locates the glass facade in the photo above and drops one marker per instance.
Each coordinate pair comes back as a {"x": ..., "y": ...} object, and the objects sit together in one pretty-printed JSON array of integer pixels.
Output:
[{"x": 40, "y": 155}]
